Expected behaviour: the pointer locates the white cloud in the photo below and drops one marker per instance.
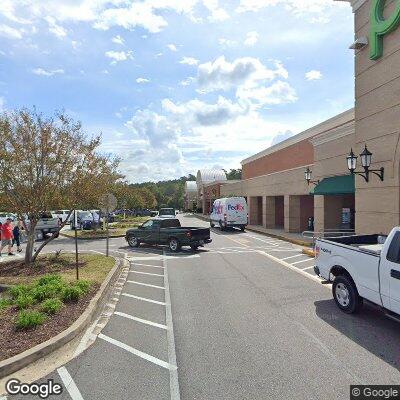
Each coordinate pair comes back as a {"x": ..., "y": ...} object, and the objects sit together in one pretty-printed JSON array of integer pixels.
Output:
[
  {"x": 118, "y": 40},
  {"x": 278, "y": 93},
  {"x": 54, "y": 28},
  {"x": 315, "y": 9},
  {"x": 251, "y": 38},
  {"x": 172, "y": 47},
  {"x": 217, "y": 12},
  {"x": 189, "y": 61},
  {"x": 313, "y": 75},
  {"x": 227, "y": 42},
  {"x": 187, "y": 81},
  {"x": 118, "y": 56},
  {"x": 9, "y": 32},
  {"x": 223, "y": 75},
  {"x": 142, "y": 80},
  {"x": 2, "y": 103},
  {"x": 44, "y": 72}
]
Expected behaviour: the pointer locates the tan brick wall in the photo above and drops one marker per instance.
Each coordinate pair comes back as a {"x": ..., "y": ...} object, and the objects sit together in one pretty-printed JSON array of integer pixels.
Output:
[{"x": 377, "y": 123}]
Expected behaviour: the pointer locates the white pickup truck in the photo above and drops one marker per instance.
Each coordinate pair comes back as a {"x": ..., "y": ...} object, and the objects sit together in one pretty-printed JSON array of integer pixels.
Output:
[{"x": 362, "y": 267}]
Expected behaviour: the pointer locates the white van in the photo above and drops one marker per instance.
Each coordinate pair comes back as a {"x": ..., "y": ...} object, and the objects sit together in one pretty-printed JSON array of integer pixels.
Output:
[{"x": 229, "y": 212}]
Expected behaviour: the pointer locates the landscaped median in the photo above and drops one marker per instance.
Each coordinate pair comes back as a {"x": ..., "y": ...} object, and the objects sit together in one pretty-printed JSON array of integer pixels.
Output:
[
  {"x": 45, "y": 307},
  {"x": 116, "y": 229}
]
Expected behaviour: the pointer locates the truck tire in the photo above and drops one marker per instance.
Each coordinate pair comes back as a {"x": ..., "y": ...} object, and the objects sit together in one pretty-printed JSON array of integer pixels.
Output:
[
  {"x": 174, "y": 245},
  {"x": 212, "y": 224},
  {"x": 242, "y": 228},
  {"x": 194, "y": 247},
  {"x": 221, "y": 226},
  {"x": 133, "y": 241},
  {"x": 346, "y": 295}
]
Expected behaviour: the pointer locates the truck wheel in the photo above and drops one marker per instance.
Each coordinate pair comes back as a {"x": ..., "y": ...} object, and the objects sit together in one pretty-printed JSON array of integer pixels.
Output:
[
  {"x": 174, "y": 245},
  {"x": 346, "y": 295},
  {"x": 212, "y": 224},
  {"x": 221, "y": 226},
  {"x": 194, "y": 247},
  {"x": 242, "y": 228},
  {"x": 133, "y": 241}
]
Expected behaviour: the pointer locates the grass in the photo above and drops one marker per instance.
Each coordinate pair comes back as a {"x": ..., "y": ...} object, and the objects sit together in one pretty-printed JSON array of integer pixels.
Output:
[
  {"x": 116, "y": 229},
  {"x": 44, "y": 296},
  {"x": 93, "y": 267}
]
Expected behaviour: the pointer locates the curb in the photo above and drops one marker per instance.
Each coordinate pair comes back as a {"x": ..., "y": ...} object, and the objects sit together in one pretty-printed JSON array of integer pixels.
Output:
[
  {"x": 91, "y": 238},
  {"x": 284, "y": 238},
  {"x": 308, "y": 252},
  {"x": 27, "y": 357}
]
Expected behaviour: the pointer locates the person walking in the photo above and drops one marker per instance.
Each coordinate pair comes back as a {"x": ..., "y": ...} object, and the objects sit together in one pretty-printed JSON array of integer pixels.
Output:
[
  {"x": 17, "y": 236},
  {"x": 7, "y": 236}
]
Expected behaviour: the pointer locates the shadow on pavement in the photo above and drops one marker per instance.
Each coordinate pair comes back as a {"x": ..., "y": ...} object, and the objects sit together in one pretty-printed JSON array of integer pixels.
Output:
[
  {"x": 147, "y": 249},
  {"x": 369, "y": 329},
  {"x": 227, "y": 231}
]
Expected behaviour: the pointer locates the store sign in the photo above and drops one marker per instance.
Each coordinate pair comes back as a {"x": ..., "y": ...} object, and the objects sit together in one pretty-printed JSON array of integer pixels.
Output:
[{"x": 381, "y": 27}]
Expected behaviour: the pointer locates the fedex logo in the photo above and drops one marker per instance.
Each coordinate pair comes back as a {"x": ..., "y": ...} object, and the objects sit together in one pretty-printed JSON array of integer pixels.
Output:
[
  {"x": 217, "y": 208},
  {"x": 238, "y": 207}
]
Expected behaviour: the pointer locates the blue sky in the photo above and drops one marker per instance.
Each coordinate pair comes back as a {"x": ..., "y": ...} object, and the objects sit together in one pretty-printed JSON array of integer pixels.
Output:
[{"x": 173, "y": 85}]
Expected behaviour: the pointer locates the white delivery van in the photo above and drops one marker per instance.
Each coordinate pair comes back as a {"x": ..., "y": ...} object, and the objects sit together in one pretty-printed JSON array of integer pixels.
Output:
[{"x": 229, "y": 212}]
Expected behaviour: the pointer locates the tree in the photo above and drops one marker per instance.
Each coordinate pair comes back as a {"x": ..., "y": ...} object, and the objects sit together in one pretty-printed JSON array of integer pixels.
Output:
[
  {"x": 49, "y": 163},
  {"x": 234, "y": 174}
]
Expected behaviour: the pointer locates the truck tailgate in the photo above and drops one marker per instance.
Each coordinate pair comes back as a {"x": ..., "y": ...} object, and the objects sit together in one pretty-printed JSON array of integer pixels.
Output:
[{"x": 200, "y": 233}]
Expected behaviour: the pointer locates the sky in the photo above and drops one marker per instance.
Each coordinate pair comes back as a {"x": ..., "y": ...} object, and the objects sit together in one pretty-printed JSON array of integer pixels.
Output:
[{"x": 175, "y": 86}]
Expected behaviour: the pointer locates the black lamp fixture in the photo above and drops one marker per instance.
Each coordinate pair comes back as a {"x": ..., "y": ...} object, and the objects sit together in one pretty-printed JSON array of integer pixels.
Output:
[
  {"x": 366, "y": 160},
  {"x": 307, "y": 175}
]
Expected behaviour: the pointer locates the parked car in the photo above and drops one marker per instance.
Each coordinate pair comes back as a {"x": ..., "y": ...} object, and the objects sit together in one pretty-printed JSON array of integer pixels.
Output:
[
  {"x": 46, "y": 226},
  {"x": 4, "y": 216},
  {"x": 167, "y": 213},
  {"x": 229, "y": 212},
  {"x": 61, "y": 215},
  {"x": 85, "y": 221},
  {"x": 143, "y": 213},
  {"x": 154, "y": 213},
  {"x": 168, "y": 231},
  {"x": 362, "y": 267}
]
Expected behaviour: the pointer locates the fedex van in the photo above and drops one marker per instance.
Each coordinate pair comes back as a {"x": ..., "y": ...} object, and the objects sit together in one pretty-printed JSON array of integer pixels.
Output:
[{"x": 229, "y": 212}]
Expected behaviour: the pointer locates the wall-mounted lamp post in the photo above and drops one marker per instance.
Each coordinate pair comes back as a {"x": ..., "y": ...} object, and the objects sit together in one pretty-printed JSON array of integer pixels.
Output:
[
  {"x": 366, "y": 160},
  {"x": 307, "y": 175}
]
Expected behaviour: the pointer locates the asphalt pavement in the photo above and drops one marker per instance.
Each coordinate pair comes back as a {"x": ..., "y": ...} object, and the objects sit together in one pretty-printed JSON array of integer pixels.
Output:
[{"x": 243, "y": 318}]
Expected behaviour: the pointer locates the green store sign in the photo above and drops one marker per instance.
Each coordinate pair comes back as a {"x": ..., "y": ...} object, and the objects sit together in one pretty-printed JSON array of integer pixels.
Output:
[{"x": 381, "y": 27}]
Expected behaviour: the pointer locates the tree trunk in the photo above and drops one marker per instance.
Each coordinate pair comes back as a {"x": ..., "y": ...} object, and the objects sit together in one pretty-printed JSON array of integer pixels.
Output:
[
  {"x": 52, "y": 237},
  {"x": 30, "y": 245}
]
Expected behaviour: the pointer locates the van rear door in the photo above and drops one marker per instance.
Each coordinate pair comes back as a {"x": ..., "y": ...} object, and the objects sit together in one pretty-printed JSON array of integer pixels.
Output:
[{"x": 236, "y": 209}]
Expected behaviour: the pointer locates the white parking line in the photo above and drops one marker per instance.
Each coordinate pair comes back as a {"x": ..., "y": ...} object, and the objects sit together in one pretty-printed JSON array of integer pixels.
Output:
[
  {"x": 173, "y": 374},
  {"x": 143, "y": 299},
  {"x": 146, "y": 284},
  {"x": 138, "y": 353},
  {"x": 143, "y": 321},
  {"x": 305, "y": 269},
  {"x": 280, "y": 250},
  {"x": 148, "y": 265},
  {"x": 97, "y": 252},
  {"x": 288, "y": 258},
  {"x": 69, "y": 384},
  {"x": 144, "y": 273},
  {"x": 301, "y": 261}
]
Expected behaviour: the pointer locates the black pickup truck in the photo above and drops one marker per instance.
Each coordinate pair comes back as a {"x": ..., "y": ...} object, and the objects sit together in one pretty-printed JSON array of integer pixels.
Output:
[{"x": 168, "y": 232}]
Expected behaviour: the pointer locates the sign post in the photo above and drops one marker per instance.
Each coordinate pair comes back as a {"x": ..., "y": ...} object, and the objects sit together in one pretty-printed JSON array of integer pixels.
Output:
[
  {"x": 107, "y": 204},
  {"x": 76, "y": 244}
]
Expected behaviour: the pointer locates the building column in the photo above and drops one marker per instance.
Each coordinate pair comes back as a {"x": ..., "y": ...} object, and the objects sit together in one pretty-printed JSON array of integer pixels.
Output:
[
  {"x": 292, "y": 213},
  {"x": 319, "y": 213},
  {"x": 264, "y": 211},
  {"x": 270, "y": 222}
]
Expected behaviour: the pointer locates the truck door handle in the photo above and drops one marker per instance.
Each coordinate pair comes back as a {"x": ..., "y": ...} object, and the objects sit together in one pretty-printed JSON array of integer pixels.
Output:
[{"x": 395, "y": 274}]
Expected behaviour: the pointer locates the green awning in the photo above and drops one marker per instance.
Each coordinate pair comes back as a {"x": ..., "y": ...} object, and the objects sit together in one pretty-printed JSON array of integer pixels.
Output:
[{"x": 335, "y": 185}]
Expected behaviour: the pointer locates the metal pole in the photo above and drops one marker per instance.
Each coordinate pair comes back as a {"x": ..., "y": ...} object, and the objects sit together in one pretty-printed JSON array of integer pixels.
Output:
[
  {"x": 76, "y": 245},
  {"x": 108, "y": 236}
]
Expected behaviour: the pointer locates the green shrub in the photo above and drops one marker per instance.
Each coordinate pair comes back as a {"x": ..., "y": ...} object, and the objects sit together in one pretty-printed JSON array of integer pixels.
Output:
[
  {"x": 24, "y": 301},
  {"x": 51, "y": 306},
  {"x": 83, "y": 285},
  {"x": 19, "y": 290},
  {"x": 71, "y": 293},
  {"x": 4, "y": 303},
  {"x": 29, "y": 319},
  {"x": 49, "y": 279}
]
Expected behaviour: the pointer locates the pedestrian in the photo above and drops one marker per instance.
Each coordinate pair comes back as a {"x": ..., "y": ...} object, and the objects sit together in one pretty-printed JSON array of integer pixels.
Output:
[
  {"x": 17, "y": 236},
  {"x": 7, "y": 236}
]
